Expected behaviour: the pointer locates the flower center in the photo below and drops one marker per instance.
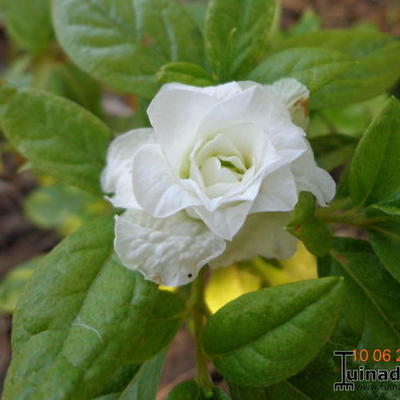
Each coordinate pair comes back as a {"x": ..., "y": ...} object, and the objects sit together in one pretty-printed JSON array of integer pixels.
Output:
[
  {"x": 217, "y": 163},
  {"x": 222, "y": 169}
]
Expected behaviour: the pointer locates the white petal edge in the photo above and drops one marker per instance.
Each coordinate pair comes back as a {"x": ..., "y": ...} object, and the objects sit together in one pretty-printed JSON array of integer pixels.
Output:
[
  {"x": 263, "y": 234},
  {"x": 169, "y": 251},
  {"x": 117, "y": 175},
  {"x": 295, "y": 95},
  {"x": 309, "y": 177}
]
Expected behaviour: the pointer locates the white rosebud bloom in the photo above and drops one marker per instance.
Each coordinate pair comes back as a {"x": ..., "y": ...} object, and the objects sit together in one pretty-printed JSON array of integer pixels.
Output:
[{"x": 214, "y": 180}]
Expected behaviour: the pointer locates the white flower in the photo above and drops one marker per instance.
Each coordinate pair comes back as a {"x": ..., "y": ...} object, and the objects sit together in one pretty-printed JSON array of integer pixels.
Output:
[{"x": 214, "y": 180}]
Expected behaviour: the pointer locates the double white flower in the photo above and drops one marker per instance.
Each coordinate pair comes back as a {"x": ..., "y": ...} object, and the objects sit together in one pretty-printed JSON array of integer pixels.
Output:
[{"x": 214, "y": 180}]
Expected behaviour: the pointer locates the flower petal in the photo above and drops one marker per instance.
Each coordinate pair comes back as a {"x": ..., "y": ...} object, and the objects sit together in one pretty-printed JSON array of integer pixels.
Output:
[
  {"x": 263, "y": 234},
  {"x": 117, "y": 175},
  {"x": 225, "y": 221},
  {"x": 278, "y": 192},
  {"x": 169, "y": 251},
  {"x": 154, "y": 186},
  {"x": 266, "y": 111},
  {"x": 295, "y": 95},
  {"x": 175, "y": 113},
  {"x": 309, "y": 177},
  {"x": 227, "y": 90}
]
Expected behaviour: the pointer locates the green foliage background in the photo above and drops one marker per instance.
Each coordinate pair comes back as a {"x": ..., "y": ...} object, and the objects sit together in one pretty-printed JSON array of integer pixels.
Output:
[{"x": 87, "y": 328}]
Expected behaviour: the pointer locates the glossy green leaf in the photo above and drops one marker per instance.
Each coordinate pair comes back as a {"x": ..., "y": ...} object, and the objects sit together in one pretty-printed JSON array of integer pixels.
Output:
[
  {"x": 285, "y": 391},
  {"x": 29, "y": 23},
  {"x": 371, "y": 318},
  {"x": 314, "y": 67},
  {"x": 124, "y": 43},
  {"x": 144, "y": 385},
  {"x": 120, "y": 379},
  {"x": 13, "y": 284},
  {"x": 57, "y": 136},
  {"x": 79, "y": 320},
  {"x": 373, "y": 74},
  {"x": 162, "y": 325},
  {"x": 236, "y": 35},
  {"x": 189, "y": 74},
  {"x": 384, "y": 237},
  {"x": 305, "y": 226},
  {"x": 316, "y": 380},
  {"x": 238, "y": 392},
  {"x": 375, "y": 170},
  {"x": 189, "y": 390},
  {"x": 278, "y": 331}
]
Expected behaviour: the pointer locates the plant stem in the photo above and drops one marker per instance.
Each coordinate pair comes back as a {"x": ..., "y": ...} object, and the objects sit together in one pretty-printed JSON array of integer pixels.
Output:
[
  {"x": 351, "y": 217},
  {"x": 198, "y": 312}
]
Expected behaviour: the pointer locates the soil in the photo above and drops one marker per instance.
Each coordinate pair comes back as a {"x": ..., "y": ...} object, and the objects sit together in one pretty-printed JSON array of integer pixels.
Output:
[{"x": 20, "y": 240}]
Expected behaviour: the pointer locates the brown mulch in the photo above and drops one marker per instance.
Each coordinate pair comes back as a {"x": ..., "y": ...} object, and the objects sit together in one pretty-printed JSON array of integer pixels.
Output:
[{"x": 20, "y": 240}]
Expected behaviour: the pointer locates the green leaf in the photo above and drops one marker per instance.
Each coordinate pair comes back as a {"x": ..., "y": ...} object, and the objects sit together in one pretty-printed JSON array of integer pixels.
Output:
[
  {"x": 375, "y": 170},
  {"x": 57, "y": 136},
  {"x": 219, "y": 394},
  {"x": 314, "y": 67},
  {"x": 124, "y": 43},
  {"x": 120, "y": 379},
  {"x": 162, "y": 325},
  {"x": 305, "y": 226},
  {"x": 12, "y": 285},
  {"x": 79, "y": 320},
  {"x": 29, "y": 23},
  {"x": 351, "y": 120},
  {"x": 308, "y": 22},
  {"x": 238, "y": 392},
  {"x": 189, "y": 74},
  {"x": 197, "y": 9},
  {"x": 278, "y": 331},
  {"x": 67, "y": 80},
  {"x": 387, "y": 209},
  {"x": 62, "y": 207},
  {"x": 316, "y": 381},
  {"x": 371, "y": 318},
  {"x": 144, "y": 385},
  {"x": 189, "y": 390},
  {"x": 17, "y": 73},
  {"x": 385, "y": 237},
  {"x": 372, "y": 75},
  {"x": 333, "y": 150},
  {"x": 285, "y": 391},
  {"x": 236, "y": 35},
  {"x": 111, "y": 396}
]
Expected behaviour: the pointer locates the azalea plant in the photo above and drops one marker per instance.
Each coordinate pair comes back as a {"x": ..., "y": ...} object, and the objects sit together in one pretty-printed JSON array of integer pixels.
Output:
[{"x": 237, "y": 156}]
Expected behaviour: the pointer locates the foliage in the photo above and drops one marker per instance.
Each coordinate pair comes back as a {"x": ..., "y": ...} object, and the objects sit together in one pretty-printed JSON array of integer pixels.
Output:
[{"x": 87, "y": 328}]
